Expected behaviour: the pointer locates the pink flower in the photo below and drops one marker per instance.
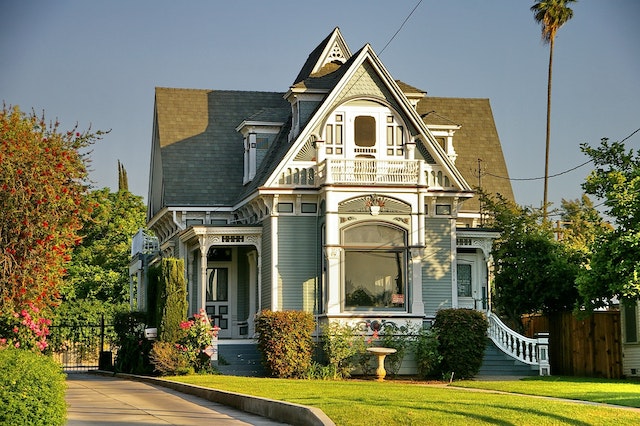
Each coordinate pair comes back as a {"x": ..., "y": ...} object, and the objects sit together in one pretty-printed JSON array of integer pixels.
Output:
[
  {"x": 17, "y": 344},
  {"x": 15, "y": 329}
]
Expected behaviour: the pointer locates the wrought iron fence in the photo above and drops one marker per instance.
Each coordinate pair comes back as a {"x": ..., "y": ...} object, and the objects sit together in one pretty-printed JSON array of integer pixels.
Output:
[{"x": 79, "y": 348}]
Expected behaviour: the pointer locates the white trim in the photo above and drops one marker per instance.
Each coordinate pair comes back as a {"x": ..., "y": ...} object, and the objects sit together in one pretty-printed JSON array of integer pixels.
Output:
[{"x": 454, "y": 265}]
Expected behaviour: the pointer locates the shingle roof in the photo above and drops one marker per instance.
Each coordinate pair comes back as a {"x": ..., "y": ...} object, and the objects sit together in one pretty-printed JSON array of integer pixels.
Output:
[
  {"x": 476, "y": 139},
  {"x": 201, "y": 152}
]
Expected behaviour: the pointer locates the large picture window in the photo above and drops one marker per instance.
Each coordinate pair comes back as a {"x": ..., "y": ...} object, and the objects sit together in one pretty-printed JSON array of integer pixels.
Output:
[{"x": 375, "y": 259}]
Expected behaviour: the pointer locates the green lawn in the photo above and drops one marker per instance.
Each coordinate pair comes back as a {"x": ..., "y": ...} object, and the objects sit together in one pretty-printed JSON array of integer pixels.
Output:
[
  {"x": 617, "y": 392},
  {"x": 352, "y": 402}
]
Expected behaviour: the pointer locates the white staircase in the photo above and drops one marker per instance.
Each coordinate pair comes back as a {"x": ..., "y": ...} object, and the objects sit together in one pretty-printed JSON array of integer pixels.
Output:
[{"x": 534, "y": 352}]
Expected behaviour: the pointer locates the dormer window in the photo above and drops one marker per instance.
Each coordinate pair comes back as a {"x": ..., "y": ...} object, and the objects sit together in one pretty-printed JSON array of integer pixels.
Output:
[{"x": 444, "y": 136}]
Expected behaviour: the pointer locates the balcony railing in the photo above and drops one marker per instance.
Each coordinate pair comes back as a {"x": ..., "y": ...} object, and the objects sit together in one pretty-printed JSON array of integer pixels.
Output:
[{"x": 365, "y": 172}]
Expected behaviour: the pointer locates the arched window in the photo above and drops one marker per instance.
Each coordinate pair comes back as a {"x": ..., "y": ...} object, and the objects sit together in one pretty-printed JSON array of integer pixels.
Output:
[{"x": 375, "y": 267}]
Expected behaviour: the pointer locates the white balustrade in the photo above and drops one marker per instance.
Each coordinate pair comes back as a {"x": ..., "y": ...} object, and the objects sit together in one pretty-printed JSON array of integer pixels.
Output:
[{"x": 525, "y": 349}]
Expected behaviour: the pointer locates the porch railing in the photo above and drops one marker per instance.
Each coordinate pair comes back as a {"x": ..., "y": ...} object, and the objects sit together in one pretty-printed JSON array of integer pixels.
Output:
[{"x": 525, "y": 349}]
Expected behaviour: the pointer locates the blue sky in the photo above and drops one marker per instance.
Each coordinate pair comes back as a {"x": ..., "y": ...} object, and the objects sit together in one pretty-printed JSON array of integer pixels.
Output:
[{"x": 96, "y": 63}]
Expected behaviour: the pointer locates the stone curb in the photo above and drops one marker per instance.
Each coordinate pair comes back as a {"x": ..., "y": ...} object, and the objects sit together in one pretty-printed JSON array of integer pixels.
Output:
[{"x": 280, "y": 411}]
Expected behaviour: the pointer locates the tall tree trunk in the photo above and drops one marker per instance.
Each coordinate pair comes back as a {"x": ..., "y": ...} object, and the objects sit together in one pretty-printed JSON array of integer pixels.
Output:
[{"x": 548, "y": 138}]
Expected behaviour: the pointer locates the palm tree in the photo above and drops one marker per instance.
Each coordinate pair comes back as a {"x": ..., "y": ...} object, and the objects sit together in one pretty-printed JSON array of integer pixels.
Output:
[{"x": 551, "y": 14}]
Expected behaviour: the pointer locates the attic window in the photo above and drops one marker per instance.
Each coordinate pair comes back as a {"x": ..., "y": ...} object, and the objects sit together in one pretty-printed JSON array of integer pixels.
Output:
[{"x": 365, "y": 131}]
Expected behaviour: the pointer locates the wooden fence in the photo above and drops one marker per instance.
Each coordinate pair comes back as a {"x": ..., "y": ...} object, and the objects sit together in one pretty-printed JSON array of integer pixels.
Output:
[{"x": 591, "y": 347}]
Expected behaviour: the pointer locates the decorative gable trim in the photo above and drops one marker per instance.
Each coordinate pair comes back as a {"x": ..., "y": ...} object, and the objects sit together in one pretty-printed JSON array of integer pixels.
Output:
[{"x": 335, "y": 50}]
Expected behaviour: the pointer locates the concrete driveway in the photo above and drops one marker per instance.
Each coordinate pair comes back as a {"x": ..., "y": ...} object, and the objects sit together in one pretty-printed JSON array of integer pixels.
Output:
[{"x": 98, "y": 400}]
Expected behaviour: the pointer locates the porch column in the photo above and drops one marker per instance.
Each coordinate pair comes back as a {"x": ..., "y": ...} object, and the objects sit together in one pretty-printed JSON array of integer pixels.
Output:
[
  {"x": 252, "y": 258},
  {"x": 417, "y": 304},
  {"x": 202, "y": 304}
]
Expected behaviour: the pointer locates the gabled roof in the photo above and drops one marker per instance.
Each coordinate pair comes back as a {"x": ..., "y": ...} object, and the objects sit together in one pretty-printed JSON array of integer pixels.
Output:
[
  {"x": 200, "y": 150},
  {"x": 332, "y": 50},
  {"x": 477, "y": 138},
  {"x": 360, "y": 74}
]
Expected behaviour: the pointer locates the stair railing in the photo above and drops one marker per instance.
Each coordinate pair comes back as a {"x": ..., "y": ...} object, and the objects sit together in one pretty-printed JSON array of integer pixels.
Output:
[{"x": 525, "y": 349}]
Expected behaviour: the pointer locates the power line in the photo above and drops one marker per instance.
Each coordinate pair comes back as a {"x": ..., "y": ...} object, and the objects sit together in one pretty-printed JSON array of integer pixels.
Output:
[
  {"x": 557, "y": 174},
  {"x": 399, "y": 29}
]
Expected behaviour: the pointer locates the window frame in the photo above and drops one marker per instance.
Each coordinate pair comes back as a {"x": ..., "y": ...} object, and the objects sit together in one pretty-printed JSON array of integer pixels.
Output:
[{"x": 370, "y": 248}]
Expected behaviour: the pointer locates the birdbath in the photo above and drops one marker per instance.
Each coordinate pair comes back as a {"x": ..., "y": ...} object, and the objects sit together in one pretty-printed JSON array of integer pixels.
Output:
[{"x": 381, "y": 353}]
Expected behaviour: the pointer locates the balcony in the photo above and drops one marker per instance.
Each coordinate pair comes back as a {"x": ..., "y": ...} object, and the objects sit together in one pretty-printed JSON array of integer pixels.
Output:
[{"x": 365, "y": 172}]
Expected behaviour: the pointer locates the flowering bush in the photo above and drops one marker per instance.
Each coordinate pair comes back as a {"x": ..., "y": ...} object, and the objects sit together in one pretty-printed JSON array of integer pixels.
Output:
[
  {"x": 187, "y": 354},
  {"x": 197, "y": 337},
  {"x": 25, "y": 329}
]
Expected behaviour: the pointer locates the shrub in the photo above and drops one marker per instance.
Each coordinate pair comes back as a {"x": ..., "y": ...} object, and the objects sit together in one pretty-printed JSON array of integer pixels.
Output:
[
  {"x": 285, "y": 342},
  {"x": 343, "y": 347},
  {"x": 425, "y": 347},
  {"x": 32, "y": 388},
  {"x": 133, "y": 347},
  {"x": 171, "y": 359},
  {"x": 172, "y": 300},
  {"x": 462, "y": 336},
  {"x": 197, "y": 334}
]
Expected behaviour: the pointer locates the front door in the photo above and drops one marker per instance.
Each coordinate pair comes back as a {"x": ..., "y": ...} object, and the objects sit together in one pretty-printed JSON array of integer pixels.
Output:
[
  {"x": 471, "y": 291},
  {"x": 220, "y": 296}
]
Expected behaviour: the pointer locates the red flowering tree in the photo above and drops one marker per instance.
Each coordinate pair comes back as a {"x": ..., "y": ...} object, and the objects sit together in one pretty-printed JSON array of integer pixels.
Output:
[{"x": 42, "y": 206}]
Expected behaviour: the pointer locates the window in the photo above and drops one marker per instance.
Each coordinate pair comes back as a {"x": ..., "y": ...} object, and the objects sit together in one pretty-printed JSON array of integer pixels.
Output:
[
  {"x": 285, "y": 207},
  {"x": 375, "y": 259},
  {"x": 443, "y": 209},
  {"x": 217, "y": 285},
  {"x": 365, "y": 131},
  {"x": 309, "y": 208},
  {"x": 464, "y": 280},
  {"x": 630, "y": 322}
]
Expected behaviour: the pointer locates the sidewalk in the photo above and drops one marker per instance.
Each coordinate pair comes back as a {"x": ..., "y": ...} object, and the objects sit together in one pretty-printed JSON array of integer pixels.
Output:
[{"x": 96, "y": 400}]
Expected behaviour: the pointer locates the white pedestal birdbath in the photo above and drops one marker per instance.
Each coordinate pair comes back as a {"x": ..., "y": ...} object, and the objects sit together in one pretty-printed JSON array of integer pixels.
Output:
[{"x": 381, "y": 353}]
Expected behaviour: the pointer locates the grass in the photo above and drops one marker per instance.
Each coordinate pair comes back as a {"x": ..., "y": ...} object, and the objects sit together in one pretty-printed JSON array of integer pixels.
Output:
[
  {"x": 616, "y": 392},
  {"x": 352, "y": 402}
]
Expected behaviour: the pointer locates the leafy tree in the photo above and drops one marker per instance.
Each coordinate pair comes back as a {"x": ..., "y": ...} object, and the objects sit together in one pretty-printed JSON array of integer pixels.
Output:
[
  {"x": 581, "y": 224},
  {"x": 551, "y": 15},
  {"x": 42, "y": 208},
  {"x": 99, "y": 268},
  {"x": 614, "y": 270},
  {"x": 533, "y": 272}
]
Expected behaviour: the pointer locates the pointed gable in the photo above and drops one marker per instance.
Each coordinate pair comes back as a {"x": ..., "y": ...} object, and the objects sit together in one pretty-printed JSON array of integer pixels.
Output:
[{"x": 325, "y": 57}]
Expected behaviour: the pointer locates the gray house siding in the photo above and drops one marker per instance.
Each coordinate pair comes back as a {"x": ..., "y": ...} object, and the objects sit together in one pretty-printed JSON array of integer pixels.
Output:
[
  {"x": 297, "y": 262},
  {"x": 265, "y": 267},
  {"x": 436, "y": 266},
  {"x": 306, "y": 109}
]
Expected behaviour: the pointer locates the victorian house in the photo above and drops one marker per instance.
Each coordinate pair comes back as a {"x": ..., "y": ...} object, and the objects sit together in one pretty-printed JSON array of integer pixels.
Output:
[{"x": 350, "y": 194}]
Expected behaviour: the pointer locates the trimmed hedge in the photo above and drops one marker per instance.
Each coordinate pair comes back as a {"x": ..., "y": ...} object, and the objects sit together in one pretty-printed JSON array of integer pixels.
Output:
[
  {"x": 32, "y": 388},
  {"x": 285, "y": 341},
  {"x": 462, "y": 337}
]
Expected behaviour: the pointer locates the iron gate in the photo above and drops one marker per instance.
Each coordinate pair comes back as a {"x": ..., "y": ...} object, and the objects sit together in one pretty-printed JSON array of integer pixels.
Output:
[{"x": 79, "y": 348}]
